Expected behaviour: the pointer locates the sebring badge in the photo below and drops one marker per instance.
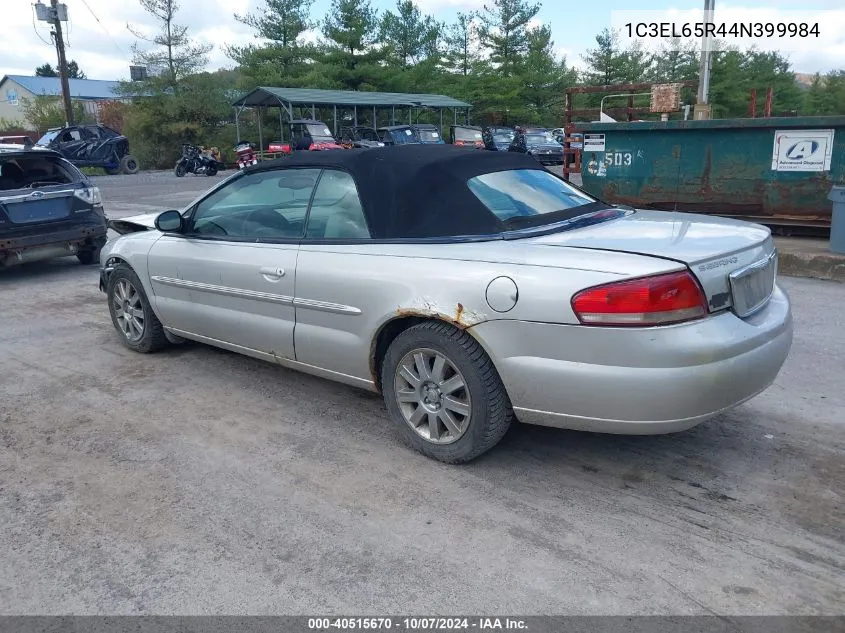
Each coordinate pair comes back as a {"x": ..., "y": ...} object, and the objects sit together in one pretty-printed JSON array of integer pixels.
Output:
[{"x": 718, "y": 263}]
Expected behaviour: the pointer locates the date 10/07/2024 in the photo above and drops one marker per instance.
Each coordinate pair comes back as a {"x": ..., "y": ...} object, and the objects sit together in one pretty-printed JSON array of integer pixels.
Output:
[{"x": 417, "y": 624}]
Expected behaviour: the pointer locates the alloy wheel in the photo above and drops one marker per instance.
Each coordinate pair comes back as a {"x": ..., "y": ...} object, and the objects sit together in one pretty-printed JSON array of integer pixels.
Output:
[
  {"x": 128, "y": 310},
  {"x": 432, "y": 395}
]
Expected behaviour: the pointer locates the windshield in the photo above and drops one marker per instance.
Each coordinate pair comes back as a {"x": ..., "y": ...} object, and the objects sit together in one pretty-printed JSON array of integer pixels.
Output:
[
  {"x": 521, "y": 197},
  {"x": 49, "y": 136},
  {"x": 538, "y": 138},
  {"x": 464, "y": 134},
  {"x": 429, "y": 135},
  {"x": 404, "y": 136},
  {"x": 366, "y": 134},
  {"x": 319, "y": 132},
  {"x": 503, "y": 137}
]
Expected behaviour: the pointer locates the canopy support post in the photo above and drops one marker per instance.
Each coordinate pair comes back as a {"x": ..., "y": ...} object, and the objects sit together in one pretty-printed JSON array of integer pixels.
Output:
[
  {"x": 441, "y": 121},
  {"x": 313, "y": 114},
  {"x": 335, "y": 120},
  {"x": 392, "y": 115},
  {"x": 260, "y": 133},
  {"x": 375, "y": 119}
]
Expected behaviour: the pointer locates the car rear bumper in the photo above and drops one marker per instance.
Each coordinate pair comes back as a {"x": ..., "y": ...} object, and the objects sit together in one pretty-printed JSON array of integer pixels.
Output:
[
  {"x": 85, "y": 236},
  {"x": 638, "y": 381}
]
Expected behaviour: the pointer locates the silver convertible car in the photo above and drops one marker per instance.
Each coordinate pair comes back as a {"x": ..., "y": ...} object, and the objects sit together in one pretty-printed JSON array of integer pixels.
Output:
[{"x": 470, "y": 288}]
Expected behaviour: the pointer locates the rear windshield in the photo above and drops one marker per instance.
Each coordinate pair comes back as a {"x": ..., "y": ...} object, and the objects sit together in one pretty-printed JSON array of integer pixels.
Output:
[
  {"x": 429, "y": 135},
  {"x": 529, "y": 197},
  {"x": 319, "y": 131},
  {"x": 538, "y": 138},
  {"x": 464, "y": 134},
  {"x": 31, "y": 172},
  {"x": 404, "y": 136}
]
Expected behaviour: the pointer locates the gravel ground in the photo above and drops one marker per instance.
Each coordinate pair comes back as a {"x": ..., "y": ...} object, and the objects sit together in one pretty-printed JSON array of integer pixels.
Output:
[{"x": 196, "y": 481}]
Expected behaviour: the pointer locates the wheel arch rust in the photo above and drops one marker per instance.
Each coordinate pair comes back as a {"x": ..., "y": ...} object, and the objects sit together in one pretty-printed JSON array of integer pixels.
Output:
[{"x": 404, "y": 318}]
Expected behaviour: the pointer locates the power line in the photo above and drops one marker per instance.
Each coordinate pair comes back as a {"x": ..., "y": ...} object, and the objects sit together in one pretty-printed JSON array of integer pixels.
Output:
[{"x": 105, "y": 30}]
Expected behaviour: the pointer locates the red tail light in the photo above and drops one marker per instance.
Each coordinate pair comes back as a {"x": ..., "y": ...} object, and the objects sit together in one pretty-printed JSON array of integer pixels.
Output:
[
  {"x": 459, "y": 142},
  {"x": 657, "y": 300}
]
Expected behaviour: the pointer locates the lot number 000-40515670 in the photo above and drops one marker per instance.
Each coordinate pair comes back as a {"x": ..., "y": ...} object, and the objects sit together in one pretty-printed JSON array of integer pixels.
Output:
[{"x": 618, "y": 159}]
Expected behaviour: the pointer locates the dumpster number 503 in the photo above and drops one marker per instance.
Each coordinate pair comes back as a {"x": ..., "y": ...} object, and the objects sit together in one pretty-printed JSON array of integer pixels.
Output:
[{"x": 617, "y": 159}]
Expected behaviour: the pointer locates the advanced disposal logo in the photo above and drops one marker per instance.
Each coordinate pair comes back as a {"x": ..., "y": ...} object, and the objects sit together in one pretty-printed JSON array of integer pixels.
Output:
[{"x": 802, "y": 150}]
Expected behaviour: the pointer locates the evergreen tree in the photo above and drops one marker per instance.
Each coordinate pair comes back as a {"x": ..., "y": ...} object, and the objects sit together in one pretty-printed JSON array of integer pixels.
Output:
[
  {"x": 461, "y": 40},
  {"x": 408, "y": 36},
  {"x": 173, "y": 53},
  {"x": 504, "y": 31}
]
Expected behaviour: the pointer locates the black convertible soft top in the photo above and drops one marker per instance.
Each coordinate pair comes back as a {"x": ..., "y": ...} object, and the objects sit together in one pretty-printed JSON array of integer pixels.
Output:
[{"x": 416, "y": 191}]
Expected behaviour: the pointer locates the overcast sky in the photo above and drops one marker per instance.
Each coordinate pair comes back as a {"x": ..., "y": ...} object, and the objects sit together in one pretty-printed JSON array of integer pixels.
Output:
[{"x": 102, "y": 44}]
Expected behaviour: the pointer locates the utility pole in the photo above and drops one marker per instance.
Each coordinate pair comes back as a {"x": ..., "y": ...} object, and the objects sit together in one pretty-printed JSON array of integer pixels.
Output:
[
  {"x": 702, "y": 108},
  {"x": 60, "y": 49}
]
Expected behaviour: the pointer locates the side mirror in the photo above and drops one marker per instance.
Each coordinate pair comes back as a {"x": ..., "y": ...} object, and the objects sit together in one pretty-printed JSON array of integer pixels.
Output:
[{"x": 169, "y": 221}]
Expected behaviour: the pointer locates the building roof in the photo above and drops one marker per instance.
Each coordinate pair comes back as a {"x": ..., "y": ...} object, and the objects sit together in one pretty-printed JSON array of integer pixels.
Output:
[
  {"x": 79, "y": 88},
  {"x": 267, "y": 96}
]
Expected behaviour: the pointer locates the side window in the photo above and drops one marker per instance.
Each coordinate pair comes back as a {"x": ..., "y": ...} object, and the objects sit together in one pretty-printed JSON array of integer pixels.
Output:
[
  {"x": 336, "y": 212},
  {"x": 267, "y": 204},
  {"x": 68, "y": 136}
]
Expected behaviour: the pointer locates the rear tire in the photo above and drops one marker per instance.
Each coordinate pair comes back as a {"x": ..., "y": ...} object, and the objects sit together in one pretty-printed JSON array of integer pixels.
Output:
[
  {"x": 131, "y": 314},
  {"x": 128, "y": 164},
  {"x": 212, "y": 171},
  {"x": 455, "y": 424},
  {"x": 91, "y": 256}
]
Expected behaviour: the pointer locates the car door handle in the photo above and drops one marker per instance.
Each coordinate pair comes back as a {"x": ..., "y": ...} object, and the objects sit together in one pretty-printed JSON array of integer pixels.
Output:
[{"x": 269, "y": 271}]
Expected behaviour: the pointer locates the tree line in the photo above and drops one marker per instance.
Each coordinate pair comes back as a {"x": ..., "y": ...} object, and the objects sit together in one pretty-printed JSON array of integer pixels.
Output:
[{"x": 500, "y": 59}]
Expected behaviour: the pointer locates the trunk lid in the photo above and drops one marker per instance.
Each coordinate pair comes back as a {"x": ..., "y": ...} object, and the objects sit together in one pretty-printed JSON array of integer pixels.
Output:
[{"x": 735, "y": 262}]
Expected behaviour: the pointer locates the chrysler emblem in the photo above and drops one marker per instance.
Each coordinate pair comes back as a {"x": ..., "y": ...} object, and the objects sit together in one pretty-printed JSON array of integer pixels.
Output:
[{"x": 36, "y": 195}]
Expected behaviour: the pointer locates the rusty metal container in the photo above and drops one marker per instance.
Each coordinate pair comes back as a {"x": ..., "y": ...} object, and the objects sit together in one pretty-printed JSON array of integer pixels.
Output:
[{"x": 772, "y": 170}]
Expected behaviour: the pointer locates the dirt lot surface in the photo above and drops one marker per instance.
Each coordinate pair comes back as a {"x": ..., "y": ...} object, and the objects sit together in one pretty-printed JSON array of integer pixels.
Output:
[{"x": 199, "y": 481}]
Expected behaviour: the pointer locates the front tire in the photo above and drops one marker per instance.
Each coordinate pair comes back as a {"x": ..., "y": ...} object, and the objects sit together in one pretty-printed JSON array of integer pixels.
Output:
[
  {"x": 444, "y": 394},
  {"x": 131, "y": 313},
  {"x": 180, "y": 169}
]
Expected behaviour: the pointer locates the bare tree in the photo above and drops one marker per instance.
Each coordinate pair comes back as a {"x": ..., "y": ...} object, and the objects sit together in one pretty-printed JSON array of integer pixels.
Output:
[{"x": 173, "y": 52}]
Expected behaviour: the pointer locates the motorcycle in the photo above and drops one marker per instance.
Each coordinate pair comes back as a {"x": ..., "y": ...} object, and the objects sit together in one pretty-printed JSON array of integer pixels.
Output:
[
  {"x": 195, "y": 161},
  {"x": 245, "y": 151}
]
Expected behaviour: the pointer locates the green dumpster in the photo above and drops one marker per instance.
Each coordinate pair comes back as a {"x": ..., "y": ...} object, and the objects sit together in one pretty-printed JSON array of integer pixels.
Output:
[{"x": 770, "y": 170}]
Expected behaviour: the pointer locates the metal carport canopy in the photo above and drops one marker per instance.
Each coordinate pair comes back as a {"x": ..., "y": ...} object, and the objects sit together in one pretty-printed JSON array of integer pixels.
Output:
[
  {"x": 286, "y": 98},
  {"x": 270, "y": 97}
]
